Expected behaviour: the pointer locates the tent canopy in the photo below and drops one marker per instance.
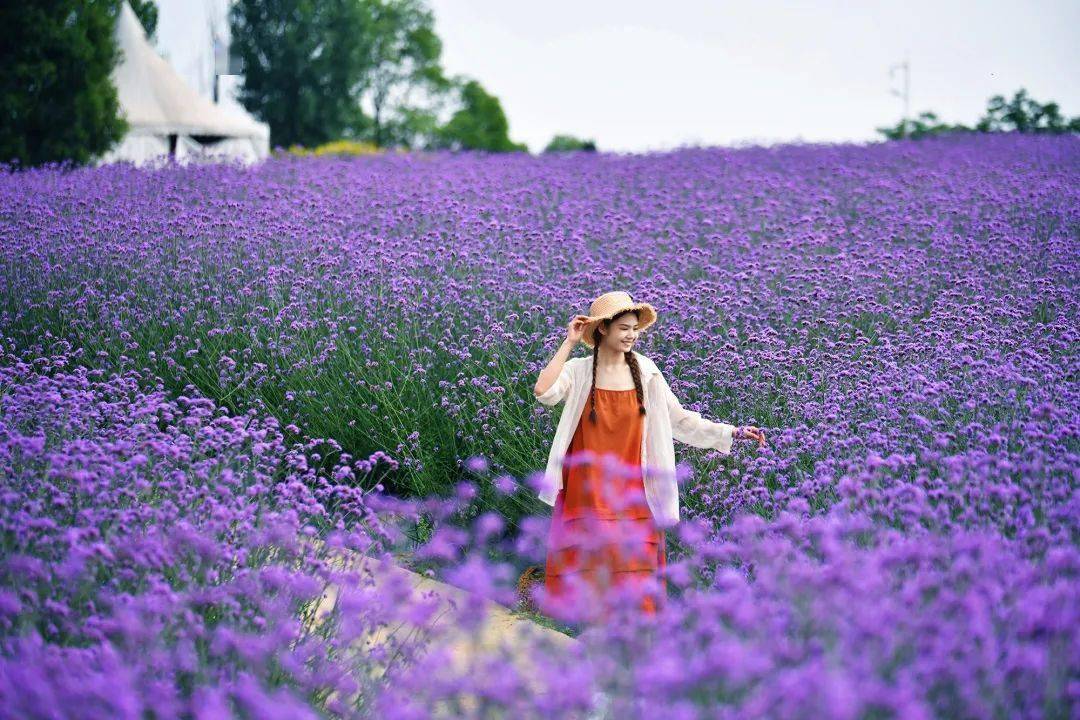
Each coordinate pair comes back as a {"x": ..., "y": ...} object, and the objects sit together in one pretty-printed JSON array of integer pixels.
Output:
[{"x": 157, "y": 102}]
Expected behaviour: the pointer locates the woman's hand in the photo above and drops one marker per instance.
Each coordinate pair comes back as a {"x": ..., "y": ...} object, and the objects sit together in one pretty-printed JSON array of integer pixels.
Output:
[
  {"x": 749, "y": 432},
  {"x": 576, "y": 328}
]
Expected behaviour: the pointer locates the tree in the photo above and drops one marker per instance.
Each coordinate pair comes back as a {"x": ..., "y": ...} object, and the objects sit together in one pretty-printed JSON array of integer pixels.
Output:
[
  {"x": 569, "y": 143},
  {"x": 57, "y": 99},
  {"x": 353, "y": 69},
  {"x": 147, "y": 12},
  {"x": 404, "y": 59},
  {"x": 924, "y": 125},
  {"x": 480, "y": 124},
  {"x": 1024, "y": 114},
  {"x": 1021, "y": 114},
  {"x": 416, "y": 126},
  {"x": 304, "y": 66}
]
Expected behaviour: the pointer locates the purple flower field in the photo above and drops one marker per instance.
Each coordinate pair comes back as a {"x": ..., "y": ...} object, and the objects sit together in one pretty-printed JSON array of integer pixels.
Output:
[{"x": 203, "y": 369}]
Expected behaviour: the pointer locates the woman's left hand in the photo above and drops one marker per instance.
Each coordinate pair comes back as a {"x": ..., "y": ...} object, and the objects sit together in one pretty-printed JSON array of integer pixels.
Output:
[{"x": 749, "y": 432}]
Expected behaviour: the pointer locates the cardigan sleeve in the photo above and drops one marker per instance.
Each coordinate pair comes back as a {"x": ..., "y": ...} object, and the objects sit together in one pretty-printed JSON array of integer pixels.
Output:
[
  {"x": 691, "y": 428},
  {"x": 560, "y": 388}
]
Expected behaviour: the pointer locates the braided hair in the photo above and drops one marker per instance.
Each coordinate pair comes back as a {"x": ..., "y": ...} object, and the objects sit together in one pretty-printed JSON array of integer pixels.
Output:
[{"x": 635, "y": 370}]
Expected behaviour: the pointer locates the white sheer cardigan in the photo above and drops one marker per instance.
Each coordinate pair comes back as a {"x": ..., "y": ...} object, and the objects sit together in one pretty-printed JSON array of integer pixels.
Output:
[{"x": 666, "y": 420}]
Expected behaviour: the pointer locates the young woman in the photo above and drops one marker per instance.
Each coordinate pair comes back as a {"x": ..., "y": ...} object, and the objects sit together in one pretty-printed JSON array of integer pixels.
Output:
[{"x": 611, "y": 469}]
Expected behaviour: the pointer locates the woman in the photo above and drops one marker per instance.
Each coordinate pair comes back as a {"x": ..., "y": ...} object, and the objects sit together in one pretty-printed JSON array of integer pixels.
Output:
[{"x": 617, "y": 489}]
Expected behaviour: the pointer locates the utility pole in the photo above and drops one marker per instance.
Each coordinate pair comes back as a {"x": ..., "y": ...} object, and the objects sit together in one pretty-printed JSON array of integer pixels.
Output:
[
  {"x": 226, "y": 62},
  {"x": 903, "y": 94},
  {"x": 218, "y": 49}
]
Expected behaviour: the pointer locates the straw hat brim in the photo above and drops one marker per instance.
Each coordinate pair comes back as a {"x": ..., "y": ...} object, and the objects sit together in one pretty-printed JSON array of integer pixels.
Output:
[{"x": 646, "y": 317}]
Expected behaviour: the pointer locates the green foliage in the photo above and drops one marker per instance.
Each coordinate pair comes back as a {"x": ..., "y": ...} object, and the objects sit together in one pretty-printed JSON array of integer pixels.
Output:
[
  {"x": 569, "y": 143},
  {"x": 415, "y": 127},
  {"x": 303, "y": 66},
  {"x": 56, "y": 94},
  {"x": 404, "y": 59},
  {"x": 147, "y": 12},
  {"x": 924, "y": 125},
  {"x": 480, "y": 124},
  {"x": 310, "y": 69},
  {"x": 1021, "y": 114}
]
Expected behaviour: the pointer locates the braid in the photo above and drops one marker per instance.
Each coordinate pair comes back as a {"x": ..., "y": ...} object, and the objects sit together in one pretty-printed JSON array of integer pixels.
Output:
[
  {"x": 635, "y": 371},
  {"x": 592, "y": 391}
]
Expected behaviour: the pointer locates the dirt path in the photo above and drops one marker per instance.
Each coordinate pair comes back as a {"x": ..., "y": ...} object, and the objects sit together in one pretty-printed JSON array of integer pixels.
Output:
[{"x": 500, "y": 634}]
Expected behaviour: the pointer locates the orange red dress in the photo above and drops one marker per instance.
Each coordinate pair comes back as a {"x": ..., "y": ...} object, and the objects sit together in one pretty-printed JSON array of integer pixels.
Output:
[{"x": 602, "y": 533}]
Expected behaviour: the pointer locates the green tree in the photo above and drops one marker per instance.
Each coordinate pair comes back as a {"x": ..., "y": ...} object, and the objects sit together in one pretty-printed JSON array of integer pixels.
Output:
[
  {"x": 416, "y": 126},
  {"x": 924, "y": 125},
  {"x": 1024, "y": 114},
  {"x": 480, "y": 124},
  {"x": 1021, "y": 114},
  {"x": 404, "y": 61},
  {"x": 304, "y": 66},
  {"x": 57, "y": 99},
  {"x": 147, "y": 12},
  {"x": 356, "y": 69},
  {"x": 569, "y": 143}
]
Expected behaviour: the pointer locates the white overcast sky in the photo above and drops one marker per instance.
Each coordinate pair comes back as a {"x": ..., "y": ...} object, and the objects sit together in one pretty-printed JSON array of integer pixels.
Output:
[{"x": 639, "y": 75}]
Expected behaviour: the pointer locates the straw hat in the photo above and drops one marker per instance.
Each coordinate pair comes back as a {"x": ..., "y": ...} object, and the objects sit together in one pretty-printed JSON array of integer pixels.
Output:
[{"x": 611, "y": 304}]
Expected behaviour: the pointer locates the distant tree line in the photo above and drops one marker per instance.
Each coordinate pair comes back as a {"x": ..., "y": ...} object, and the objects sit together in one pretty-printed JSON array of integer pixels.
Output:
[
  {"x": 365, "y": 70},
  {"x": 1021, "y": 114},
  {"x": 362, "y": 70},
  {"x": 568, "y": 143}
]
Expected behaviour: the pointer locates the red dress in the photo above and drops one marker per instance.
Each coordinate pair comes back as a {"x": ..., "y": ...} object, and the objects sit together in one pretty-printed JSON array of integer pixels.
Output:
[{"x": 602, "y": 531}]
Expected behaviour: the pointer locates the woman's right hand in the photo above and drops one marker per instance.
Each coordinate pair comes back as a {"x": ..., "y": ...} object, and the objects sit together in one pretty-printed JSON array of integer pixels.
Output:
[
  {"x": 749, "y": 432},
  {"x": 576, "y": 328}
]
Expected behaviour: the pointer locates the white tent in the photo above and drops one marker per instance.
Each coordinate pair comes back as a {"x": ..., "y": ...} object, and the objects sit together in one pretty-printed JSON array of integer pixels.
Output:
[{"x": 167, "y": 117}]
